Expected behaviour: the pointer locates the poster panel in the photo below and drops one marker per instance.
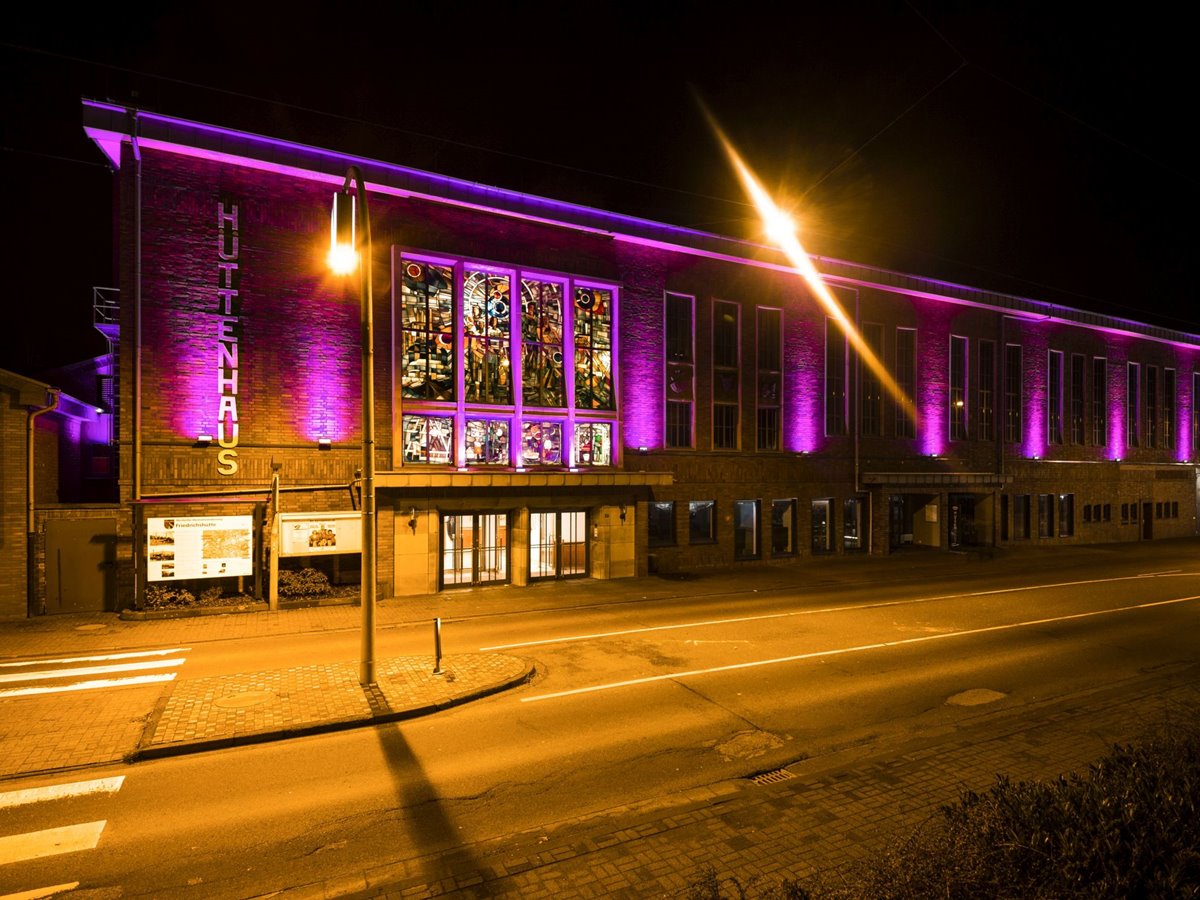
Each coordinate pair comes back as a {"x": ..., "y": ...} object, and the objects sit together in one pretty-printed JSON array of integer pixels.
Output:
[
  {"x": 320, "y": 533},
  {"x": 199, "y": 547}
]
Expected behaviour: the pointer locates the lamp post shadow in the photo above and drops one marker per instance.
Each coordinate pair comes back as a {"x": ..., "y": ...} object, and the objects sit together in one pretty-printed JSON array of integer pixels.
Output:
[{"x": 419, "y": 807}]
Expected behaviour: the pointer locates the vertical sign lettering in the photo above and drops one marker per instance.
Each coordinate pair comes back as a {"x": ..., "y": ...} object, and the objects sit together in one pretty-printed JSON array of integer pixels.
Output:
[{"x": 228, "y": 323}]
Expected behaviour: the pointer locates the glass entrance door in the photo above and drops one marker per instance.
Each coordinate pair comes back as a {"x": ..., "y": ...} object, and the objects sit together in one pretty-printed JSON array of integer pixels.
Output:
[
  {"x": 474, "y": 548},
  {"x": 557, "y": 544}
]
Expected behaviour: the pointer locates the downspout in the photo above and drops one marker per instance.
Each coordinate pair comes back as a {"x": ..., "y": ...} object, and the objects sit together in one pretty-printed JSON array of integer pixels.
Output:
[
  {"x": 137, "y": 310},
  {"x": 31, "y": 508}
]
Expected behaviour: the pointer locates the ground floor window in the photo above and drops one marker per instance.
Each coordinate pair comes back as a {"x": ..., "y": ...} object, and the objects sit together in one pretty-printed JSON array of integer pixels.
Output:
[
  {"x": 821, "y": 526},
  {"x": 1066, "y": 515},
  {"x": 474, "y": 548},
  {"x": 854, "y": 531},
  {"x": 1004, "y": 517},
  {"x": 558, "y": 544},
  {"x": 702, "y": 522},
  {"x": 1045, "y": 515},
  {"x": 661, "y": 523},
  {"x": 745, "y": 529},
  {"x": 783, "y": 527},
  {"x": 1021, "y": 517}
]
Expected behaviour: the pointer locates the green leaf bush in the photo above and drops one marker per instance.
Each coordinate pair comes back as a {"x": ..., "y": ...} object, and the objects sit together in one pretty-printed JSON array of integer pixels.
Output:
[{"x": 302, "y": 583}]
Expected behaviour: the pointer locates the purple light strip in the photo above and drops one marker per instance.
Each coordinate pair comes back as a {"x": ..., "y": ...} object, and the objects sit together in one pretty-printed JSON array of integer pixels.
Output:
[{"x": 426, "y": 185}]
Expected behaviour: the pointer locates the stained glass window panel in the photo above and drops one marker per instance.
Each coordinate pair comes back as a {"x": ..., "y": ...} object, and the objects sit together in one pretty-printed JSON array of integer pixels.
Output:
[
  {"x": 487, "y": 442},
  {"x": 428, "y": 439},
  {"x": 426, "y": 364},
  {"x": 593, "y": 349},
  {"x": 541, "y": 443},
  {"x": 486, "y": 323},
  {"x": 593, "y": 444}
]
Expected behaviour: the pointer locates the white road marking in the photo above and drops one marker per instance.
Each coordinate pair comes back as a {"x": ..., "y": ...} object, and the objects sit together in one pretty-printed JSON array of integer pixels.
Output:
[
  {"x": 51, "y": 842},
  {"x": 10, "y": 799},
  {"x": 87, "y": 685},
  {"x": 883, "y": 604},
  {"x": 39, "y": 893},
  {"x": 1156, "y": 574},
  {"x": 91, "y": 670},
  {"x": 108, "y": 658},
  {"x": 860, "y": 648}
]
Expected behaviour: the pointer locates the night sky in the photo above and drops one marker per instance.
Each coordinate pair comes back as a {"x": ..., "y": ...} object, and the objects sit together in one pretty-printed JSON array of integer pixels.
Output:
[{"x": 1044, "y": 154}]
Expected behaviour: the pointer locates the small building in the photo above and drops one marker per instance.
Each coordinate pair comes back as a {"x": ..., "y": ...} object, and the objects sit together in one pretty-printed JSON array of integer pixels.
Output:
[{"x": 563, "y": 391}]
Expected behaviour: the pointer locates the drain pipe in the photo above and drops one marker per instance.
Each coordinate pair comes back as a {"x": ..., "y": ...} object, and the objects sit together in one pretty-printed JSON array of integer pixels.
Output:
[
  {"x": 137, "y": 309},
  {"x": 31, "y": 508}
]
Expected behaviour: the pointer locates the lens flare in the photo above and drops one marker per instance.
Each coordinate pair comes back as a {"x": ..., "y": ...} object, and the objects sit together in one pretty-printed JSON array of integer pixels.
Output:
[
  {"x": 342, "y": 259},
  {"x": 781, "y": 229}
]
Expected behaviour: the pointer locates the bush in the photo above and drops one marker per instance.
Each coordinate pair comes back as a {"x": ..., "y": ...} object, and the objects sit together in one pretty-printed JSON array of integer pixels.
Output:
[
  {"x": 302, "y": 583},
  {"x": 212, "y": 594},
  {"x": 168, "y": 597},
  {"x": 1130, "y": 827}
]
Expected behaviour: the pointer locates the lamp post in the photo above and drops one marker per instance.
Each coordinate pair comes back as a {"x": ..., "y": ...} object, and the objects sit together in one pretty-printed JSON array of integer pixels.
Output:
[{"x": 348, "y": 233}]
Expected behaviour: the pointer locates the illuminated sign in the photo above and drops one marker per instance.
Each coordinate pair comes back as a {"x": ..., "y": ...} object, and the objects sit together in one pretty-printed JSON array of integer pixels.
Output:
[
  {"x": 199, "y": 547},
  {"x": 228, "y": 331}
]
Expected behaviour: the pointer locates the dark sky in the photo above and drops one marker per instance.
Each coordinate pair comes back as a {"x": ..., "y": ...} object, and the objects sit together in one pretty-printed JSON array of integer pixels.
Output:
[{"x": 1041, "y": 153}]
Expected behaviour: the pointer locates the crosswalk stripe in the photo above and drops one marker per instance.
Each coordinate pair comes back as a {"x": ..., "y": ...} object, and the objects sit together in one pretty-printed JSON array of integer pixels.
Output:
[
  {"x": 50, "y": 842},
  {"x": 39, "y": 893},
  {"x": 91, "y": 670},
  {"x": 87, "y": 685},
  {"x": 106, "y": 658},
  {"x": 9, "y": 799}
]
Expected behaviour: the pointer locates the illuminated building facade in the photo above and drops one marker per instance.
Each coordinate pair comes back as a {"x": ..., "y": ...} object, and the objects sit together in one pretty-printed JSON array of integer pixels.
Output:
[{"x": 563, "y": 391}]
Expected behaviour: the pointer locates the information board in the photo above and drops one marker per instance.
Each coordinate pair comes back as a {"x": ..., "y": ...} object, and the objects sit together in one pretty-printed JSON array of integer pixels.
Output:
[
  {"x": 309, "y": 534},
  {"x": 199, "y": 547}
]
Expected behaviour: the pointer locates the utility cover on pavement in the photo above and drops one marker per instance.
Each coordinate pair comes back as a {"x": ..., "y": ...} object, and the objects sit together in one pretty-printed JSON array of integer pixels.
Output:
[
  {"x": 244, "y": 699},
  {"x": 975, "y": 697}
]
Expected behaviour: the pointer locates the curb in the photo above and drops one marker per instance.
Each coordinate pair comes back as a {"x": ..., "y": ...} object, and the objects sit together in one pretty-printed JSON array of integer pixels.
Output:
[
  {"x": 145, "y": 751},
  {"x": 153, "y": 615}
]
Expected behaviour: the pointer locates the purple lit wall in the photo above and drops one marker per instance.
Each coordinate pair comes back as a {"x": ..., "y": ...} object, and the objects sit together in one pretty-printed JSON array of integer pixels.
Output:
[
  {"x": 1035, "y": 344},
  {"x": 933, "y": 371},
  {"x": 642, "y": 358},
  {"x": 803, "y": 366}
]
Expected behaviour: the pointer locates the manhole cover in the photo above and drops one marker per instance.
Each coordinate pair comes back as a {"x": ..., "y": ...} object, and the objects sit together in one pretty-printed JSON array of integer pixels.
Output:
[
  {"x": 241, "y": 701},
  {"x": 975, "y": 697},
  {"x": 90, "y": 627}
]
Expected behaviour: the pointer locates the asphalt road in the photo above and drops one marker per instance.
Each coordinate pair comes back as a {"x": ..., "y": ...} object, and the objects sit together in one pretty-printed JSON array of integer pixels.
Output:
[{"x": 633, "y": 701}]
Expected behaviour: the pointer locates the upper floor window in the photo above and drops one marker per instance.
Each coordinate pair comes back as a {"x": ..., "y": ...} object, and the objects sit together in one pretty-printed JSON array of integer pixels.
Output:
[
  {"x": 1151, "y": 431},
  {"x": 872, "y": 384},
  {"x": 1100, "y": 402},
  {"x": 1077, "y": 380},
  {"x": 986, "y": 391},
  {"x": 1133, "y": 379},
  {"x": 487, "y": 442},
  {"x": 1012, "y": 393},
  {"x": 835, "y": 378},
  {"x": 1054, "y": 397},
  {"x": 679, "y": 315},
  {"x": 726, "y": 394},
  {"x": 1169, "y": 401},
  {"x": 541, "y": 443},
  {"x": 906, "y": 380},
  {"x": 428, "y": 439},
  {"x": 958, "y": 388},
  {"x": 593, "y": 444},
  {"x": 770, "y": 377}
]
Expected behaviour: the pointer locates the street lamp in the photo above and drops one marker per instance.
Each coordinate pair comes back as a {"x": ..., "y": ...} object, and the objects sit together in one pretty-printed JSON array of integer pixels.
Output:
[{"x": 348, "y": 233}]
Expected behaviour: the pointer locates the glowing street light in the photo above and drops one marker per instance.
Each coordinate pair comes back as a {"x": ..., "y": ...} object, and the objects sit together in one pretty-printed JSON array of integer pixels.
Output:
[{"x": 351, "y": 228}]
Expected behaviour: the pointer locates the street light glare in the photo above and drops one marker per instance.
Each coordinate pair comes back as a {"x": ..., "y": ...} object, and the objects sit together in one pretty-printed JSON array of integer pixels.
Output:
[
  {"x": 343, "y": 259},
  {"x": 779, "y": 225}
]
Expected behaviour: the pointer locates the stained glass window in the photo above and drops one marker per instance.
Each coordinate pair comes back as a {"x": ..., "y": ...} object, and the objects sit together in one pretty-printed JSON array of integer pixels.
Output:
[
  {"x": 486, "y": 337},
  {"x": 541, "y": 443},
  {"x": 593, "y": 349},
  {"x": 429, "y": 439},
  {"x": 426, "y": 346},
  {"x": 542, "y": 380},
  {"x": 487, "y": 442},
  {"x": 593, "y": 444}
]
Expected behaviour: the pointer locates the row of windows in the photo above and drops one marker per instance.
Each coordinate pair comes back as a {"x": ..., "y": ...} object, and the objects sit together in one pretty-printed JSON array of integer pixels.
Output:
[
  {"x": 1051, "y": 510},
  {"x": 1076, "y": 393},
  {"x": 747, "y": 528},
  {"x": 431, "y": 440},
  {"x": 726, "y": 363}
]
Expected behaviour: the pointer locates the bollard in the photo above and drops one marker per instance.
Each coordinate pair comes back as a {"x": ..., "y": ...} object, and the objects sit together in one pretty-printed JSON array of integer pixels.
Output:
[{"x": 437, "y": 646}]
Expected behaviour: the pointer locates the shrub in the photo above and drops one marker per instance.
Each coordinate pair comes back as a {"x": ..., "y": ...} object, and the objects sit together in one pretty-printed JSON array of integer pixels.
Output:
[
  {"x": 168, "y": 597},
  {"x": 302, "y": 583},
  {"x": 212, "y": 594}
]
